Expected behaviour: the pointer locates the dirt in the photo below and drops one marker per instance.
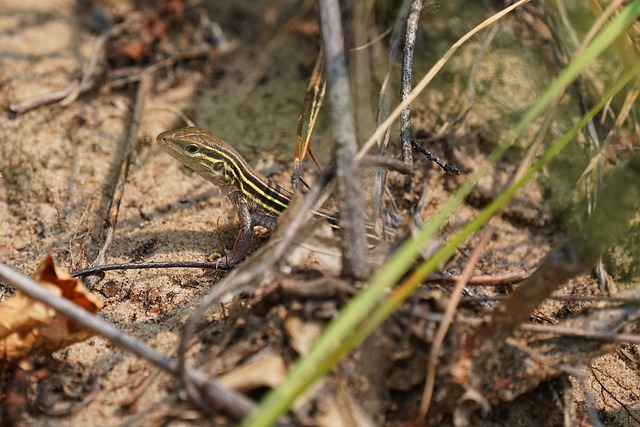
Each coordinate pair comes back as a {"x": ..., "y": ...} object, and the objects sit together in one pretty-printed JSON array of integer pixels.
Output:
[{"x": 58, "y": 165}]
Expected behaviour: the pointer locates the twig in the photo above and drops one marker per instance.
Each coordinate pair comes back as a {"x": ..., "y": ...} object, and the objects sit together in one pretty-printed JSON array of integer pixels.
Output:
[
  {"x": 407, "y": 62},
  {"x": 387, "y": 163},
  {"x": 373, "y": 41},
  {"x": 69, "y": 93},
  {"x": 351, "y": 198},
  {"x": 577, "y": 333},
  {"x": 109, "y": 225},
  {"x": 314, "y": 97},
  {"x": 74, "y": 312},
  {"x": 45, "y": 98},
  {"x": 136, "y": 76},
  {"x": 118, "y": 191},
  {"x": 447, "y": 320},
  {"x": 471, "y": 88},
  {"x": 541, "y": 358},
  {"x": 89, "y": 76},
  {"x": 380, "y": 182},
  {"x": 121, "y": 78},
  {"x": 234, "y": 403},
  {"x": 484, "y": 280},
  {"x": 139, "y": 389},
  {"x": 146, "y": 265},
  {"x": 605, "y": 336},
  {"x": 565, "y": 298},
  {"x": 408, "y": 140},
  {"x": 452, "y": 304},
  {"x": 253, "y": 270},
  {"x": 75, "y": 88},
  {"x": 591, "y": 405}
]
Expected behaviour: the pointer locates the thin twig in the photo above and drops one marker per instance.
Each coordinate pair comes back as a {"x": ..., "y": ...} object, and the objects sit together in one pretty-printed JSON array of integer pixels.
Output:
[
  {"x": 147, "y": 265},
  {"x": 73, "y": 90},
  {"x": 605, "y": 391},
  {"x": 592, "y": 410},
  {"x": 137, "y": 75},
  {"x": 234, "y": 403},
  {"x": 484, "y": 280},
  {"x": 387, "y": 163},
  {"x": 605, "y": 336},
  {"x": 577, "y": 333},
  {"x": 449, "y": 315},
  {"x": 372, "y": 41},
  {"x": 380, "y": 182},
  {"x": 139, "y": 389},
  {"x": 407, "y": 66},
  {"x": 118, "y": 191},
  {"x": 452, "y": 304},
  {"x": 126, "y": 77},
  {"x": 70, "y": 93},
  {"x": 477, "y": 60},
  {"x": 43, "y": 99},
  {"x": 314, "y": 97},
  {"x": 88, "y": 79},
  {"x": 409, "y": 142},
  {"x": 351, "y": 198},
  {"x": 565, "y": 298}
]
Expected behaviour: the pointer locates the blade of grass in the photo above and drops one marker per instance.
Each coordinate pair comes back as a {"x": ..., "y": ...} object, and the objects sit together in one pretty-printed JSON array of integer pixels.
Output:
[{"x": 347, "y": 330}]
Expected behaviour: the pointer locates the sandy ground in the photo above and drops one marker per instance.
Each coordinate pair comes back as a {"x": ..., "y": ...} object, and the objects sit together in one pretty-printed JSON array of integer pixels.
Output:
[{"x": 58, "y": 165}]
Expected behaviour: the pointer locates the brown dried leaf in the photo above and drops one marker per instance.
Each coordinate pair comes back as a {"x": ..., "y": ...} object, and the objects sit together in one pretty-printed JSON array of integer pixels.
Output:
[
  {"x": 302, "y": 334},
  {"x": 28, "y": 327},
  {"x": 343, "y": 411},
  {"x": 265, "y": 371}
]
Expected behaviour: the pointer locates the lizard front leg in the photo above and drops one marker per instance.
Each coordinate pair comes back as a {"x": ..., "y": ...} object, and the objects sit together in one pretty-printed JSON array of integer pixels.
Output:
[{"x": 245, "y": 234}]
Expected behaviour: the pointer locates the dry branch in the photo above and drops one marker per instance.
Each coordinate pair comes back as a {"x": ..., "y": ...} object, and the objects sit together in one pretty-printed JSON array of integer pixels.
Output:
[
  {"x": 121, "y": 178},
  {"x": 351, "y": 197}
]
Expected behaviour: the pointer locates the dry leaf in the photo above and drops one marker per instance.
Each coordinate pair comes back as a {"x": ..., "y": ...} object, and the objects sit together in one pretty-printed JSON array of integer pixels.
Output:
[
  {"x": 315, "y": 247},
  {"x": 302, "y": 334},
  {"x": 265, "y": 371},
  {"x": 28, "y": 326},
  {"x": 344, "y": 413}
]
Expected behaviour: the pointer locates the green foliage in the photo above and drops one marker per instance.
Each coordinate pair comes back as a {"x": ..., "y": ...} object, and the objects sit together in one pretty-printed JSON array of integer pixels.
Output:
[{"x": 622, "y": 261}]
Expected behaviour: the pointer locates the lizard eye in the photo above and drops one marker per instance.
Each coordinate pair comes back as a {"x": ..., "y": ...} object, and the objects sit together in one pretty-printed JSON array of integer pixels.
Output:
[{"x": 192, "y": 148}]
